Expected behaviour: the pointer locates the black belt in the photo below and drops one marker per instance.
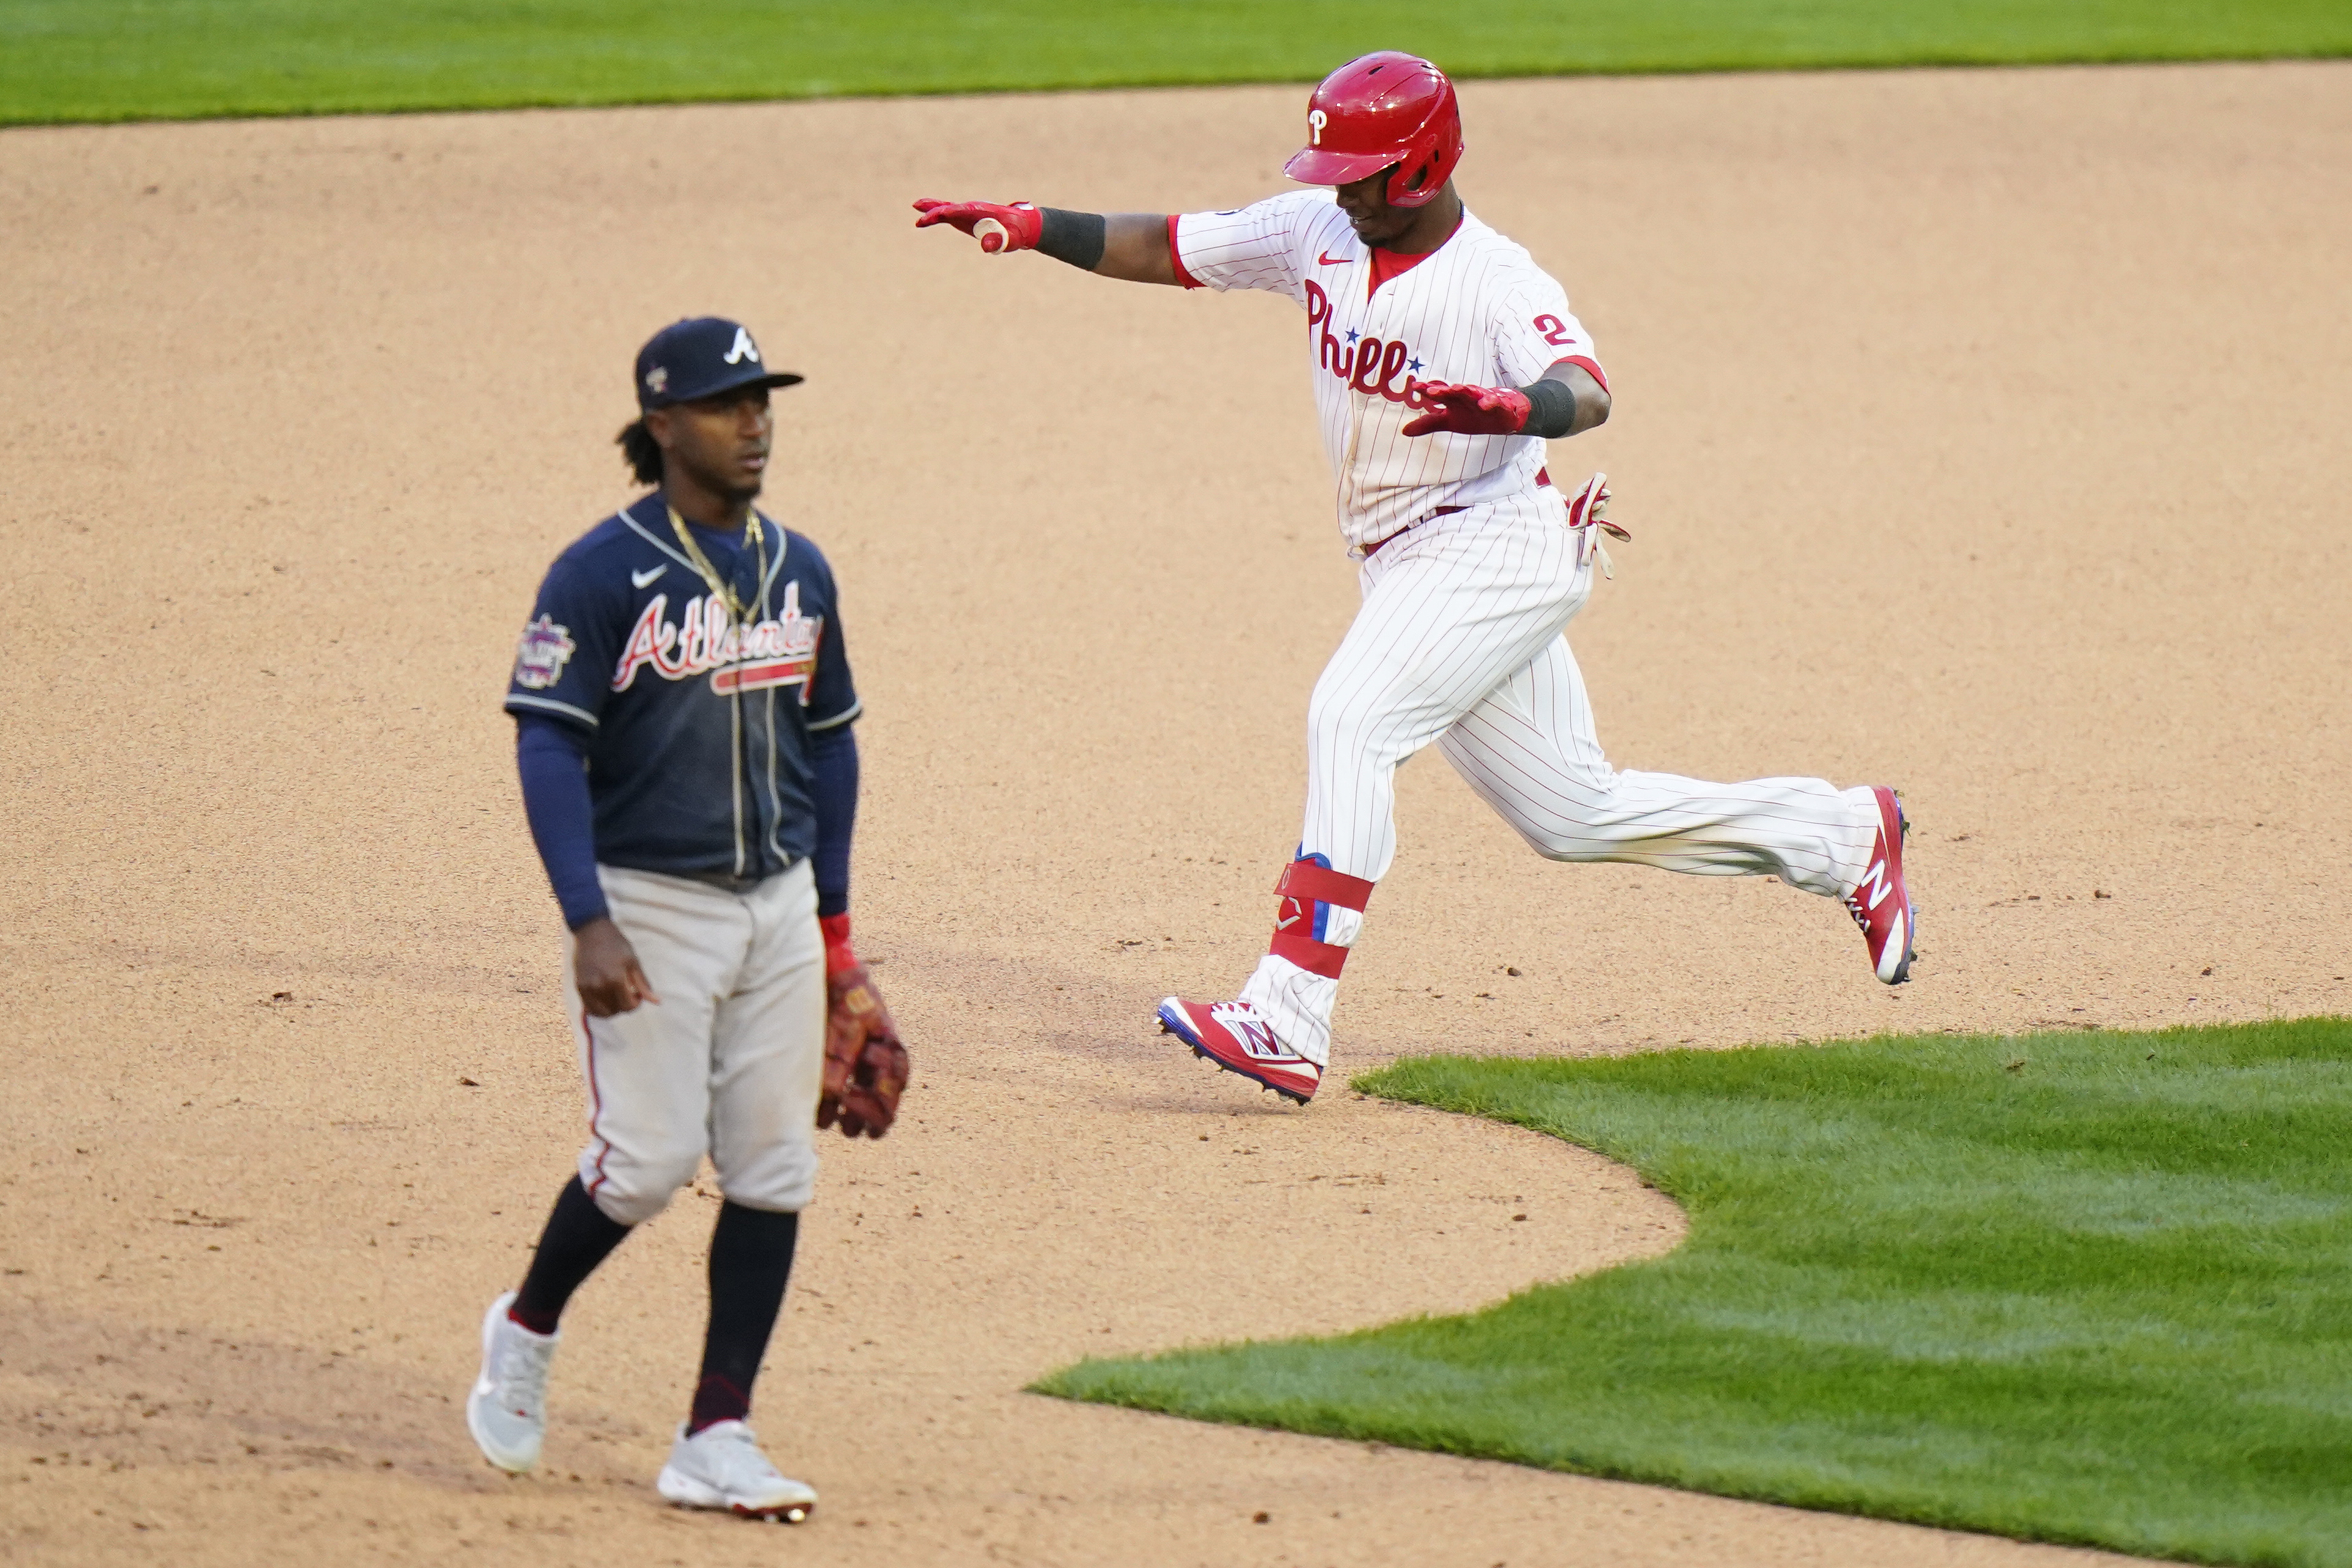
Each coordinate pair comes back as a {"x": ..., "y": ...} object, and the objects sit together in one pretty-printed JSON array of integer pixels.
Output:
[{"x": 729, "y": 882}]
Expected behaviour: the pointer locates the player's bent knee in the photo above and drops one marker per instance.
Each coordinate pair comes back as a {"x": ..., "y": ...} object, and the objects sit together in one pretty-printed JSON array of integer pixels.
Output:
[
  {"x": 633, "y": 1192},
  {"x": 1543, "y": 843},
  {"x": 631, "y": 1206},
  {"x": 781, "y": 1180},
  {"x": 1338, "y": 724},
  {"x": 1551, "y": 843},
  {"x": 766, "y": 1204}
]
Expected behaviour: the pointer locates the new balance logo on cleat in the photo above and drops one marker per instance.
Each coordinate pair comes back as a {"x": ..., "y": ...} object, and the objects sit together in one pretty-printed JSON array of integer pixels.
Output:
[
  {"x": 1889, "y": 923},
  {"x": 1237, "y": 1037},
  {"x": 1258, "y": 1042}
]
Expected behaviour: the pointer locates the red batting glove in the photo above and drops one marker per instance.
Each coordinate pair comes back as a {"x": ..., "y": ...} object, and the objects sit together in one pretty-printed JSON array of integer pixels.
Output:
[
  {"x": 1022, "y": 222},
  {"x": 1588, "y": 507},
  {"x": 1468, "y": 410}
]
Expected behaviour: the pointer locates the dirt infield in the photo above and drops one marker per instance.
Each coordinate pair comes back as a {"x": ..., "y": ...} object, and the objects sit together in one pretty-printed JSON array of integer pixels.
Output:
[{"x": 1981, "y": 433}]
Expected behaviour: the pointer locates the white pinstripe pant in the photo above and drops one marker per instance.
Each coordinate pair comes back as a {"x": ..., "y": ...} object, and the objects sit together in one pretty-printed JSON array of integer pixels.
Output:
[{"x": 1459, "y": 641}]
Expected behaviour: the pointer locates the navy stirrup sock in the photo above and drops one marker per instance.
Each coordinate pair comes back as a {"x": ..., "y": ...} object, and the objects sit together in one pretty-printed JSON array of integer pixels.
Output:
[
  {"x": 751, "y": 1260},
  {"x": 578, "y": 1237}
]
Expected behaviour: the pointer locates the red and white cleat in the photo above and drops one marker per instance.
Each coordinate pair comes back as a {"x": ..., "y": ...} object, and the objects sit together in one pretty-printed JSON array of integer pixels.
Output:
[
  {"x": 1236, "y": 1037},
  {"x": 1881, "y": 905}
]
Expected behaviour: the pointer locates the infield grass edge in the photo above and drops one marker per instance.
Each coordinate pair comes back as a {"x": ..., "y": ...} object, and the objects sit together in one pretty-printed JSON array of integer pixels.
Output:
[{"x": 1391, "y": 1383}]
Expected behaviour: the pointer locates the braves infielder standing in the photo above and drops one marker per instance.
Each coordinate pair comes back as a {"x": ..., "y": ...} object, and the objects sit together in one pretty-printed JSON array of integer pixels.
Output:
[
  {"x": 682, "y": 702},
  {"x": 1441, "y": 356}
]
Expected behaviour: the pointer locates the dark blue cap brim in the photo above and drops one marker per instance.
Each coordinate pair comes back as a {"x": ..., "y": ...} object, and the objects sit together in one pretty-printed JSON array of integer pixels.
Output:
[{"x": 731, "y": 384}]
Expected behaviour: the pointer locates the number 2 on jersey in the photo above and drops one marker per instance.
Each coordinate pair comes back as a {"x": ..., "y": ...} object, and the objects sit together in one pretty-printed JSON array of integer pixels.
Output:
[{"x": 1554, "y": 330}]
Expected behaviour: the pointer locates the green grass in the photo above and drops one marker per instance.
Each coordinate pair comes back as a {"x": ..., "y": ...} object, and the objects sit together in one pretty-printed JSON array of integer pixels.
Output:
[
  {"x": 127, "y": 60},
  {"x": 2090, "y": 1287}
]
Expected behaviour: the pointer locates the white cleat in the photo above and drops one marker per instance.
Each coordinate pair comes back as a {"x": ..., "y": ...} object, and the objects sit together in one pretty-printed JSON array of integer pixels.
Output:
[
  {"x": 721, "y": 1466},
  {"x": 507, "y": 1412}
]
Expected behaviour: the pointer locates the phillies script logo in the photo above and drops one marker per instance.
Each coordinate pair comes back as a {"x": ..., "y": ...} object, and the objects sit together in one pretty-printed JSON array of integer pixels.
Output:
[
  {"x": 739, "y": 658},
  {"x": 1370, "y": 366}
]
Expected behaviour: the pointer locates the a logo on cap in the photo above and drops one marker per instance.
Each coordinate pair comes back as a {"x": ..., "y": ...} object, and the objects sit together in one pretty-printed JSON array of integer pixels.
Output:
[
  {"x": 744, "y": 349},
  {"x": 1316, "y": 120},
  {"x": 656, "y": 379}
]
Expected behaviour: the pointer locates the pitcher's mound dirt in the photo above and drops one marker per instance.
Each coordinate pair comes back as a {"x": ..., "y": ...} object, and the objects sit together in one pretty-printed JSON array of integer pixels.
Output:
[{"x": 1981, "y": 433}]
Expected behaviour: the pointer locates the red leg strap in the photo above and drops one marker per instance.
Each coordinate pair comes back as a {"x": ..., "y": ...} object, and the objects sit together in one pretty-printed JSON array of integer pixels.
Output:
[
  {"x": 1309, "y": 882},
  {"x": 1323, "y": 958},
  {"x": 1303, "y": 885}
]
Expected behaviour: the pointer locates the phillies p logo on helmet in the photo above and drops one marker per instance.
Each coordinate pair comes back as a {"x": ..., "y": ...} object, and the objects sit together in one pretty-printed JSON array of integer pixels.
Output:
[{"x": 1387, "y": 111}]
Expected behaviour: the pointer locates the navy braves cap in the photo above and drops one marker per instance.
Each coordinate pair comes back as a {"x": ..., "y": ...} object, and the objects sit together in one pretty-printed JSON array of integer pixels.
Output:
[{"x": 701, "y": 357}]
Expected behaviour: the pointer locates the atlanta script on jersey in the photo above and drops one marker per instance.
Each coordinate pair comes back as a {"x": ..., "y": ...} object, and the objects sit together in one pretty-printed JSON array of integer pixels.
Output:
[
  {"x": 1476, "y": 309},
  {"x": 698, "y": 726},
  {"x": 778, "y": 651}
]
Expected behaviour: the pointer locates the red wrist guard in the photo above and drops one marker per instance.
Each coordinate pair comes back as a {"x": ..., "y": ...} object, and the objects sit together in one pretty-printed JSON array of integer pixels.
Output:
[{"x": 838, "y": 954}]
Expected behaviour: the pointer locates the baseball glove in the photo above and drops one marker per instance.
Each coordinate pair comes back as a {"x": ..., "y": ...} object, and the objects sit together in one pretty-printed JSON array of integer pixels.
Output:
[{"x": 865, "y": 1064}]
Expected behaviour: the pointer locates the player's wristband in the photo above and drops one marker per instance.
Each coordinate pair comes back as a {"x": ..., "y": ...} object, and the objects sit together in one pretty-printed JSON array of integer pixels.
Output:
[
  {"x": 1552, "y": 411},
  {"x": 838, "y": 955},
  {"x": 1076, "y": 237}
]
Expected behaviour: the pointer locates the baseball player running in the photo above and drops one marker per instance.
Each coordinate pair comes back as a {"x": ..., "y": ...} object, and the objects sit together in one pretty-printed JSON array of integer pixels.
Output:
[
  {"x": 1440, "y": 358},
  {"x": 682, "y": 704}
]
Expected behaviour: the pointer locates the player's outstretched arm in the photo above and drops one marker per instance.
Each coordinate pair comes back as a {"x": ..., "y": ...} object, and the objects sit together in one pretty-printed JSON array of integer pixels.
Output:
[
  {"x": 1567, "y": 400},
  {"x": 1128, "y": 246}
]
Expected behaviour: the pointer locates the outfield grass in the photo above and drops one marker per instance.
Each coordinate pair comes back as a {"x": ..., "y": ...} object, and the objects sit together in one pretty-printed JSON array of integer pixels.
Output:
[
  {"x": 127, "y": 60},
  {"x": 2090, "y": 1287}
]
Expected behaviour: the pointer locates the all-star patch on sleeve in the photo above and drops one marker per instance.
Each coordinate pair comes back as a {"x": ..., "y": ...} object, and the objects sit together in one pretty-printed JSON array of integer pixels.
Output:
[{"x": 566, "y": 652}]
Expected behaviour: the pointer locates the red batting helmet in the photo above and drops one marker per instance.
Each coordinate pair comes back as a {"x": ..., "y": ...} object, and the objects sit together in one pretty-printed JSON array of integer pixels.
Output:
[{"x": 1377, "y": 110}]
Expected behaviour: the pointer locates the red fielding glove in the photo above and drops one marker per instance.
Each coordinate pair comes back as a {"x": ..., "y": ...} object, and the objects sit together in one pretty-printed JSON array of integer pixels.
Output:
[
  {"x": 1468, "y": 410},
  {"x": 1010, "y": 227},
  {"x": 866, "y": 1068}
]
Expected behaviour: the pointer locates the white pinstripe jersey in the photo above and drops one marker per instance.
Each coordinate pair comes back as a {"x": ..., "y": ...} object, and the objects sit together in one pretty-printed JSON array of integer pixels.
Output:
[{"x": 1476, "y": 309}]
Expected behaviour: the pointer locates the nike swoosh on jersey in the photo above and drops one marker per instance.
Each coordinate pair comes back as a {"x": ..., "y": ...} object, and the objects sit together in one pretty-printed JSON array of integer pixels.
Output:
[
  {"x": 640, "y": 579},
  {"x": 1331, "y": 260}
]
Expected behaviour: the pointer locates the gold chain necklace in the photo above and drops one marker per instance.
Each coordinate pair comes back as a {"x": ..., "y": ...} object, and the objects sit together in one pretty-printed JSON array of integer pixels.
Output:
[{"x": 720, "y": 589}]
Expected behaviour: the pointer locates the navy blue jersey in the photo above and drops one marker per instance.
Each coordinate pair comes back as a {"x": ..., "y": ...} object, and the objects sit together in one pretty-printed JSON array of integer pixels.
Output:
[{"x": 697, "y": 730}]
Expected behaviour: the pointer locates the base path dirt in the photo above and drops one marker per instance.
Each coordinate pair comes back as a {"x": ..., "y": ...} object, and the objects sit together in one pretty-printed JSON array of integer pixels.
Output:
[{"x": 1981, "y": 433}]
